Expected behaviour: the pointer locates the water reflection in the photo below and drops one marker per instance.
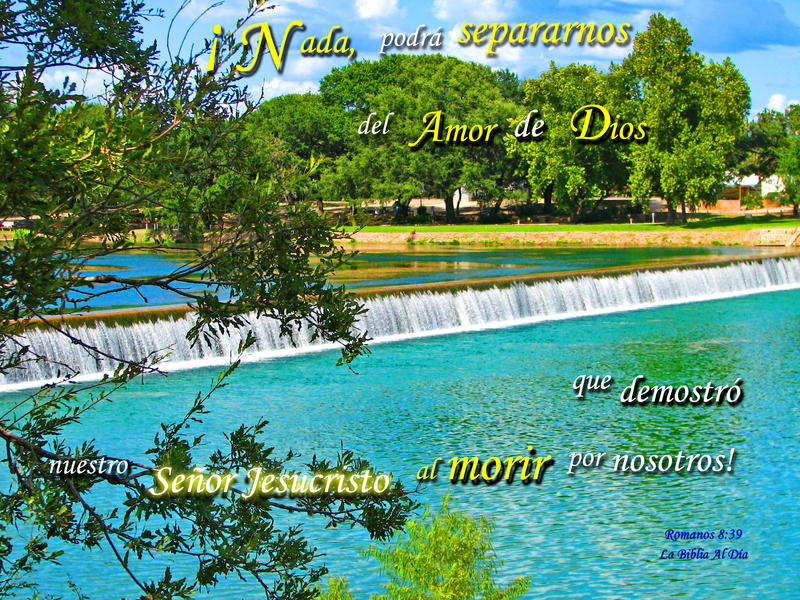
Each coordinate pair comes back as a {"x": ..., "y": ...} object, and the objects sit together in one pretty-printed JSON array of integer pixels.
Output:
[{"x": 388, "y": 267}]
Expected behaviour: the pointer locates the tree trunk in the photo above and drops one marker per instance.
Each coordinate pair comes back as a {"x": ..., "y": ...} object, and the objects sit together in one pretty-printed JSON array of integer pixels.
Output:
[
  {"x": 683, "y": 210},
  {"x": 496, "y": 207},
  {"x": 401, "y": 209},
  {"x": 450, "y": 212},
  {"x": 575, "y": 213},
  {"x": 670, "y": 213},
  {"x": 548, "y": 199},
  {"x": 458, "y": 204}
]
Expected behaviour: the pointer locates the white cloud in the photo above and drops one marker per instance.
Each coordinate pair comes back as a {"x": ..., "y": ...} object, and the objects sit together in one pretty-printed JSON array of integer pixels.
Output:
[
  {"x": 285, "y": 11},
  {"x": 230, "y": 11},
  {"x": 526, "y": 61},
  {"x": 779, "y": 102},
  {"x": 278, "y": 86},
  {"x": 221, "y": 13},
  {"x": 662, "y": 4},
  {"x": 370, "y": 9},
  {"x": 89, "y": 83},
  {"x": 485, "y": 11},
  {"x": 605, "y": 54}
]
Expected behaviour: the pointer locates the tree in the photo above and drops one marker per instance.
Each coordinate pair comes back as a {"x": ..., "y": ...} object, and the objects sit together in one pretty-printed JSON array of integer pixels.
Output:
[
  {"x": 442, "y": 556},
  {"x": 788, "y": 167},
  {"x": 756, "y": 151},
  {"x": 770, "y": 147},
  {"x": 577, "y": 175},
  {"x": 306, "y": 129},
  {"x": 443, "y": 90},
  {"x": 694, "y": 110},
  {"x": 164, "y": 140},
  {"x": 313, "y": 127}
]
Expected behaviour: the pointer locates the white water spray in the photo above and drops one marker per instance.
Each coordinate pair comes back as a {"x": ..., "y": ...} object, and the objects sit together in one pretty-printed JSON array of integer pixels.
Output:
[{"x": 404, "y": 316}]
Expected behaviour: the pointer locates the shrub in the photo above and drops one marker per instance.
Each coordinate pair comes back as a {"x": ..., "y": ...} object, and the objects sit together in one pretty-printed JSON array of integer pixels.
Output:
[{"x": 445, "y": 556}]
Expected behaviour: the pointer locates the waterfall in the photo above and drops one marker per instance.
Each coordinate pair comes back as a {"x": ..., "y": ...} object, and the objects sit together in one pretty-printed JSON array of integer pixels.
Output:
[{"x": 402, "y": 316}]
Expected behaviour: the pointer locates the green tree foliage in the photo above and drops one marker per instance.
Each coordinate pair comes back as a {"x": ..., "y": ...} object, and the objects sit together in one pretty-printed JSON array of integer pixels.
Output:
[
  {"x": 788, "y": 163},
  {"x": 313, "y": 127},
  {"x": 770, "y": 147},
  {"x": 695, "y": 111},
  {"x": 384, "y": 166},
  {"x": 299, "y": 128},
  {"x": 164, "y": 140},
  {"x": 756, "y": 151},
  {"x": 576, "y": 175},
  {"x": 444, "y": 556}
]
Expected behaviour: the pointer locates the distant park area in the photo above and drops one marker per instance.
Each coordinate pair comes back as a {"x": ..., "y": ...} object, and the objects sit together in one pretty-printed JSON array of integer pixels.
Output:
[{"x": 712, "y": 223}]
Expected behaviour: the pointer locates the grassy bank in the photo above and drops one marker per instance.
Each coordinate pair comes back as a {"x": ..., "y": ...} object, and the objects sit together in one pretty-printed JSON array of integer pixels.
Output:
[
  {"x": 764, "y": 230},
  {"x": 706, "y": 223}
]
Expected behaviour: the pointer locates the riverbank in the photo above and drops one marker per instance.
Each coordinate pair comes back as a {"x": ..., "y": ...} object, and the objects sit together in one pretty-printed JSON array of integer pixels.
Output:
[
  {"x": 703, "y": 231},
  {"x": 555, "y": 235}
]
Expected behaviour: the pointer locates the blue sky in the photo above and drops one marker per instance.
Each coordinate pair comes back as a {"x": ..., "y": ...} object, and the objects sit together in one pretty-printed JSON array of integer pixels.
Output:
[{"x": 761, "y": 37}]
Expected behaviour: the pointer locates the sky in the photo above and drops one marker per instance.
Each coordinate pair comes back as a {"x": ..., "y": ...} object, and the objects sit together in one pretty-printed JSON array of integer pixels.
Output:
[{"x": 762, "y": 37}]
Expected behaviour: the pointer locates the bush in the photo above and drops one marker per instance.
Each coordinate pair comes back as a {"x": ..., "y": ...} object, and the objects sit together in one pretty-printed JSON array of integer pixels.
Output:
[
  {"x": 446, "y": 556},
  {"x": 492, "y": 218}
]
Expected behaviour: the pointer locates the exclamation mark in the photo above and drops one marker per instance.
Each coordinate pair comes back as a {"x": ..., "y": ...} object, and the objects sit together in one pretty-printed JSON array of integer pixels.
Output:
[
  {"x": 212, "y": 60},
  {"x": 731, "y": 459}
]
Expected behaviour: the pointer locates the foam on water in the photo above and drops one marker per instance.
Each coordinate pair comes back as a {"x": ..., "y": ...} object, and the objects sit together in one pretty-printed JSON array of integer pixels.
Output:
[{"x": 404, "y": 316}]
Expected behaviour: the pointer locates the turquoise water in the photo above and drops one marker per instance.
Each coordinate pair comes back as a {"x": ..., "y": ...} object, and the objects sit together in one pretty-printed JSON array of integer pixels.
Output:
[
  {"x": 595, "y": 534},
  {"x": 376, "y": 267},
  {"x": 419, "y": 265}
]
